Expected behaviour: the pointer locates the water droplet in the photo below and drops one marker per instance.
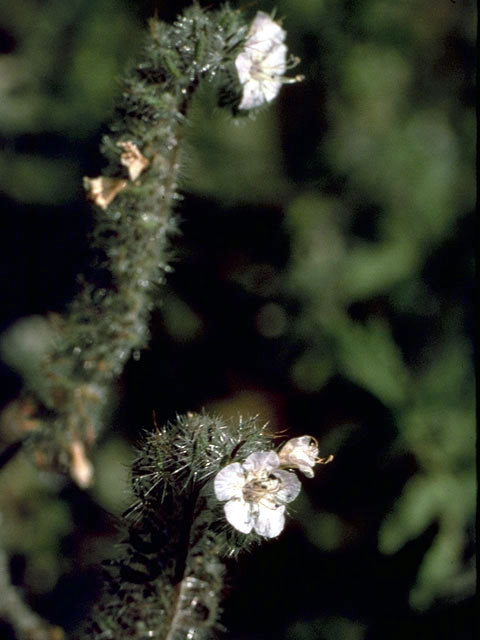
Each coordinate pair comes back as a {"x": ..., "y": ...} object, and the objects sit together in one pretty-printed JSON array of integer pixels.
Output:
[
  {"x": 114, "y": 214},
  {"x": 122, "y": 354},
  {"x": 149, "y": 221}
]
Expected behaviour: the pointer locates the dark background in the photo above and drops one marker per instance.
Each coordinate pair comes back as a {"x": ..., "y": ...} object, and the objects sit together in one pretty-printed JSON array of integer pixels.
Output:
[{"x": 323, "y": 280}]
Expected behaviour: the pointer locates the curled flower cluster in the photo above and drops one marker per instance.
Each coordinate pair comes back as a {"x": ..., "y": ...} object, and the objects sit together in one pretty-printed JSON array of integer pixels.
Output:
[
  {"x": 257, "y": 490},
  {"x": 262, "y": 63}
]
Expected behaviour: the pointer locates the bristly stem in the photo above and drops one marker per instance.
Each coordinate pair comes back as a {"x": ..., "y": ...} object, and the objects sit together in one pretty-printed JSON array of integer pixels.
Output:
[
  {"x": 205, "y": 489},
  {"x": 67, "y": 390},
  {"x": 168, "y": 581}
]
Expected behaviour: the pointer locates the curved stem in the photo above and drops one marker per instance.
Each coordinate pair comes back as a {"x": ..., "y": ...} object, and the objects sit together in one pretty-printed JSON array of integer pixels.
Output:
[{"x": 68, "y": 392}]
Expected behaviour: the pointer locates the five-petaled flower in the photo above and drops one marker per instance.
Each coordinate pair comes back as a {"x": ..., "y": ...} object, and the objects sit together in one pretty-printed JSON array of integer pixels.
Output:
[
  {"x": 256, "y": 492},
  {"x": 262, "y": 63}
]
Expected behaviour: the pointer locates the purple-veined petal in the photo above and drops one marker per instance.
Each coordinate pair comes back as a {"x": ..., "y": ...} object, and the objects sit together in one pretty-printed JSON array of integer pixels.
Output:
[
  {"x": 265, "y": 33},
  {"x": 238, "y": 514},
  {"x": 261, "y": 461},
  {"x": 269, "y": 522},
  {"x": 229, "y": 482},
  {"x": 290, "y": 488},
  {"x": 275, "y": 62},
  {"x": 252, "y": 95},
  {"x": 300, "y": 453}
]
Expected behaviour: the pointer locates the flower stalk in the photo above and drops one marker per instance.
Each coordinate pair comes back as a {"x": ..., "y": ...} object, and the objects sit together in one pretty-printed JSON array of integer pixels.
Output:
[
  {"x": 68, "y": 381},
  {"x": 204, "y": 490}
]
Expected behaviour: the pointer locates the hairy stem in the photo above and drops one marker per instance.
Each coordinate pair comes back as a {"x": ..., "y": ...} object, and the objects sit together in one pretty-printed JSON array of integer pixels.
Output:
[
  {"x": 68, "y": 385},
  {"x": 167, "y": 582}
]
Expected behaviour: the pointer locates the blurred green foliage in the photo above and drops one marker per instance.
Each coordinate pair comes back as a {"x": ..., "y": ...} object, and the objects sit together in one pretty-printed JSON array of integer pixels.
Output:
[
  {"x": 58, "y": 79},
  {"x": 34, "y": 522},
  {"x": 368, "y": 166}
]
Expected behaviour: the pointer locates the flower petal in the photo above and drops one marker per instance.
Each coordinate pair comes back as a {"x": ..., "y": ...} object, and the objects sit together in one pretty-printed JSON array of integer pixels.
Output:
[
  {"x": 243, "y": 64},
  {"x": 238, "y": 514},
  {"x": 270, "y": 89},
  {"x": 269, "y": 522},
  {"x": 300, "y": 453},
  {"x": 229, "y": 482},
  {"x": 261, "y": 461},
  {"x": 275, "y": 62},
  {"x": 265, "y": 33},
  {"x": 290, "y": 488},
  {"x": 252, "y": 95}
]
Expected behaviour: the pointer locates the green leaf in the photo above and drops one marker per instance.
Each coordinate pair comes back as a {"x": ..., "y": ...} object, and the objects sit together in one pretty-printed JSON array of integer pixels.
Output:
[
  {"x": 369, "y": 357},
  {"x": 416, "y": 508}
]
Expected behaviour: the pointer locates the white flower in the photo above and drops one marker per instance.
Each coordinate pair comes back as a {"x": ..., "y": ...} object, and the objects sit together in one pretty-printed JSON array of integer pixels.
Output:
[
  {"x": 302, "y": 454},
  {"x": 256, "y": 492},
  {"x": 261, "y": 65}
]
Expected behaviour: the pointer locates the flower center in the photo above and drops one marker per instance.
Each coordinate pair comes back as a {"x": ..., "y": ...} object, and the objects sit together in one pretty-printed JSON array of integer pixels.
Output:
[
  {"x": 260, "y": 70},
  {"x": 258, "y": 488}
]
